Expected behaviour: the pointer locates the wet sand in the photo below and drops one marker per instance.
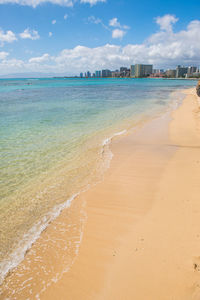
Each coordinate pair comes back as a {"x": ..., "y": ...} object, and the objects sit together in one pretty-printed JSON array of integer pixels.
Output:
[{"x": 142, "y": 233}]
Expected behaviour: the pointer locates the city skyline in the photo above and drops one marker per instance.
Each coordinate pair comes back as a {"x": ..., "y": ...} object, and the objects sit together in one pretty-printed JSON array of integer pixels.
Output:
[
  {"x": 67, "y": 36},
  {"x": 145, "y": 70}
]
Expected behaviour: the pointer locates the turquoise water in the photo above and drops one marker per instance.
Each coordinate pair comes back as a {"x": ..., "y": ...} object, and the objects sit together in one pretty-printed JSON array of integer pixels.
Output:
[{"x": 51, "y": 136}]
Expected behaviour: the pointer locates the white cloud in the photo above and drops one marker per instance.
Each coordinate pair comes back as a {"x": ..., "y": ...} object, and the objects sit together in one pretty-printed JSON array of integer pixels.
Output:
[
  {"x": 115, "y": 23},
  {"x": 7, "y": 36},
  {"x": 65, "y": 16},
  {"x": 92, "y": 2},
  {"x": 163, "y": 49},
  {"x": 94, "y": 20},
  {"x": 166, "y": 50},
  {"x": 53, "y": 22},
  {"x": 83, "y": 57},
  {"x": 11, "y": 65},
  {"x": 40, "y": 59},
  {"x": 97, "y": 21},
  {"x": 3, "y": 55},
  {"x": 50, "y": 34},
  {"x": 166, "y": 22},
  {"x": 29, "y": 34},
  {"x": 35, "y": 3},
  {"x": 118, "y": 34}
]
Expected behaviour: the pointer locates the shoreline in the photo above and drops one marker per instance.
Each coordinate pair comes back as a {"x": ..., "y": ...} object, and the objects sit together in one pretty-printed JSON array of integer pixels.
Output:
[
  {"x": 109, "y": 211},
  {"x": 26, "y": 245},
  {"x": 148, "y": 248}
]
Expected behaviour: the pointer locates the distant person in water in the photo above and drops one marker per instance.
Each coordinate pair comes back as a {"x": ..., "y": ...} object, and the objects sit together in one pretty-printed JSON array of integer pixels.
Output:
[{"x": 198, "y": 88}]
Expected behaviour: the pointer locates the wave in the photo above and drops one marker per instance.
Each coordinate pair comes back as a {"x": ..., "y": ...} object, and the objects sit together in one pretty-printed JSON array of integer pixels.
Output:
[
  {"x": 107, "y": 141},
  {"x": 17, "y": 256}
]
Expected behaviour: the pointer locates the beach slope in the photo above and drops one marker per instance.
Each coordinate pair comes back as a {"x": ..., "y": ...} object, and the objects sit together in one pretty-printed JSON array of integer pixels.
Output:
[{"x": 142, "y": 236}]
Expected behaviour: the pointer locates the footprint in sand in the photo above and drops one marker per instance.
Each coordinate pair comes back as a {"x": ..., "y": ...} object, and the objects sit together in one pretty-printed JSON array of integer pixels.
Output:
[{"x": 196, "y": 263}]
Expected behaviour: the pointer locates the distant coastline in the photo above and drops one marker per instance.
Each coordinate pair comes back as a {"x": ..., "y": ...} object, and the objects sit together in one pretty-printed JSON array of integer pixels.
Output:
[
  {"x": 164, "y": 78},
  {"x": 135, "y": 71}
]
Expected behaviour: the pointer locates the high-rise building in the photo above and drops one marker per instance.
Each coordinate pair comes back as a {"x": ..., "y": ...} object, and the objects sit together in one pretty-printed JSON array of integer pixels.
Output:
[
  {"x": 88, "y": 74},
  {"x": 127, "y": 73},
  {"x": 124, "y": 72},
  {"x": 115, "y": 74},
  {"x": 106, "y": 73},
  {"x": 170, "y": 73},
  {"x": 191, "y": 70},
  {"x": 81, "y": 75},
  {"x": 123, "y": 69},
  {"x": 132, "y": 71},
  {"x": 181, "y": 71},
  {"x": 158, "y": 71},
  {"x": 143, "y": 70},
  {"x": 98, "y": 74}
]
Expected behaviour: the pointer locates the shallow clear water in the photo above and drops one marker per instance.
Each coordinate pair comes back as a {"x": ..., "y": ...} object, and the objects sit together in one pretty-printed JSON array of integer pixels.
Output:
[{"x": 51, "y": 139}]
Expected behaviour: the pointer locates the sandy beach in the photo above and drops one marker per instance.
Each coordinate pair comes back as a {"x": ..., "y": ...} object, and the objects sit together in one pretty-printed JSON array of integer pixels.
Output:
[
  {"x": 141, "y": 237},
  {"x": 99, "y": 150}
]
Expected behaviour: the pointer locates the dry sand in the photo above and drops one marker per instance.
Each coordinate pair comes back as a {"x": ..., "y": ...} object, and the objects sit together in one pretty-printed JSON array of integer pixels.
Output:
[{"x": 142, "y": 236}]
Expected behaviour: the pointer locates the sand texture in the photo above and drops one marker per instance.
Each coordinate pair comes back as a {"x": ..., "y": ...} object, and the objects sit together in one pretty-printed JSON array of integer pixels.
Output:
[
  {"x": 141, "y": 238},
  {"x": 142, "y": 235}
]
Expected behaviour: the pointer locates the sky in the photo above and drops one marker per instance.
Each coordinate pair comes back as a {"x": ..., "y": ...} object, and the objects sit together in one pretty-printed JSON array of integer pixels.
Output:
[{"x": 72, "y": 36}]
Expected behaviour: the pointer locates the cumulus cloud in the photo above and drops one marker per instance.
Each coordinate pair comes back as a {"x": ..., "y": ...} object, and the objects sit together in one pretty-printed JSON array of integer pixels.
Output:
[
  {"x": 84, "y": 57},
  {"x": 40, "y": 59},
  {"x": 53, "y": 22},
  {"x": 3, "y": 55},
  {"x": 118, "y": 33},
  {"x": 35, "y": 3},
  {"x": 166, "y": 22},
  {"x": 11, "y": 65},
  {"x": 7, "y": 37},
  {"x": 29, "y": 34},
  {"x": 115, "y": 23},
  {"x": 166, "y": 50},
  {"x": 163, "y": 49},
  {"x": 92, "y": 2}
]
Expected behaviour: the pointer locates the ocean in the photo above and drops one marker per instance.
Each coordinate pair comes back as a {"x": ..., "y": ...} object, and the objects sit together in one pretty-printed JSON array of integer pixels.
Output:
[{"x": 54, "y": 144}]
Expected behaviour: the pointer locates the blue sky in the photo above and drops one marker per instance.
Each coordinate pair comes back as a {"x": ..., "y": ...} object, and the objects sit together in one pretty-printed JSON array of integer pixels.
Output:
[{"x": 69, "y": 36}]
